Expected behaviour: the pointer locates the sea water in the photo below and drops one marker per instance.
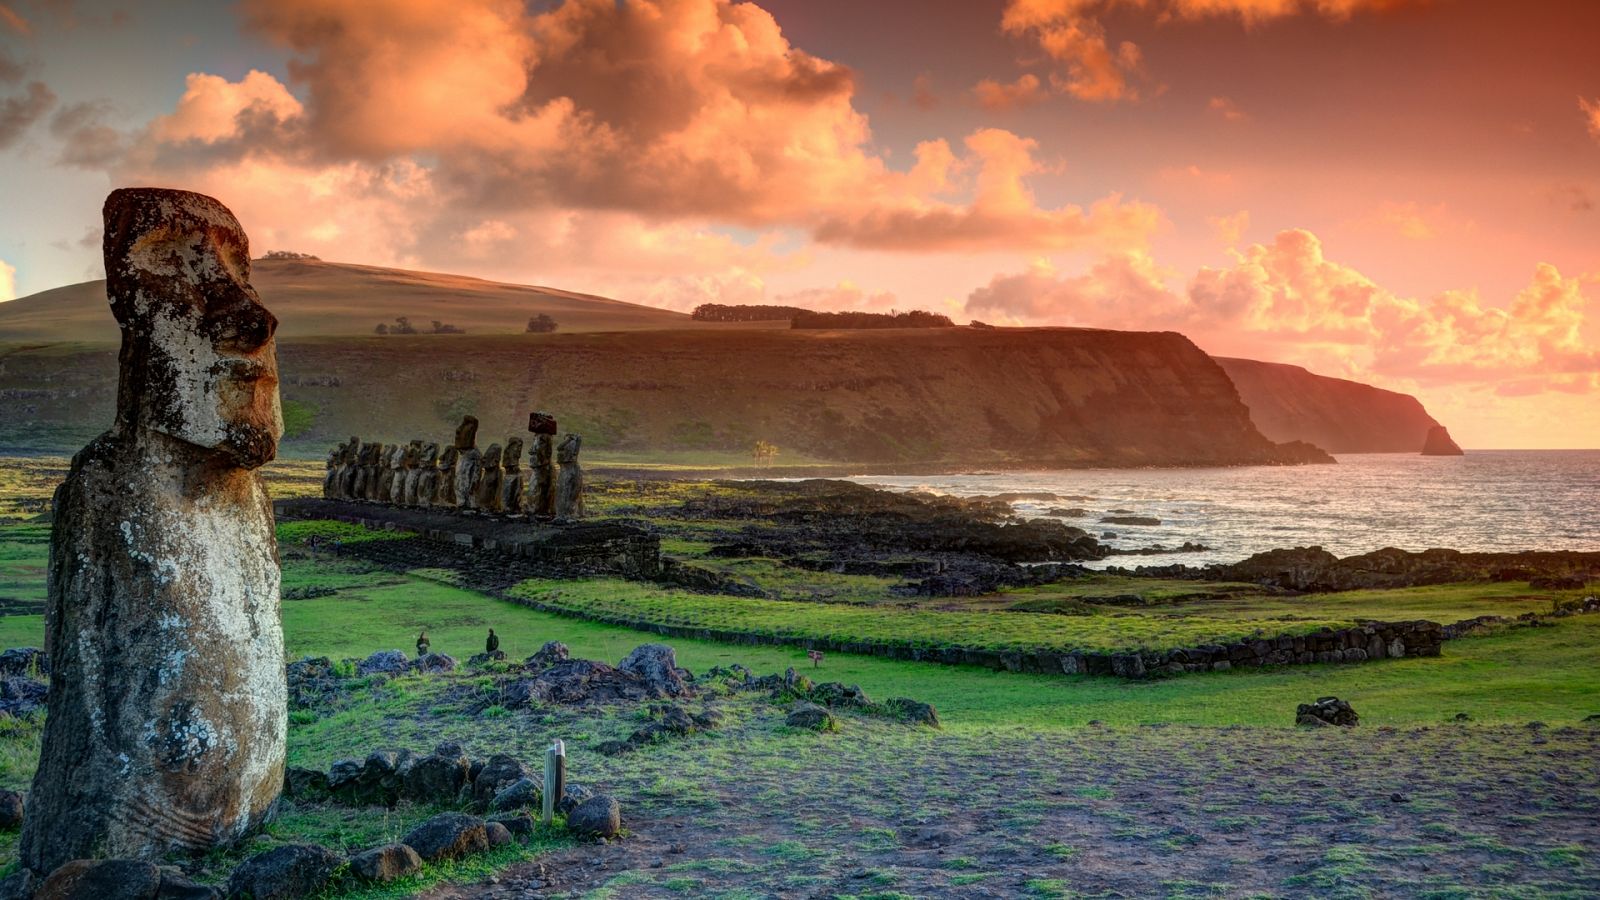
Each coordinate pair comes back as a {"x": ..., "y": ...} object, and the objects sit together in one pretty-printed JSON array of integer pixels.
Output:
[{"x": 1488, "y": 500}]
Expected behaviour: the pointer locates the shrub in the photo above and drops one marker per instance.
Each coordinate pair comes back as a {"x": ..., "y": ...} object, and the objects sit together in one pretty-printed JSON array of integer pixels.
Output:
[
  {"x": 541, "y": 324},
  {"x": 916, "y": 318},
  {"x": 717, "y": 312}
]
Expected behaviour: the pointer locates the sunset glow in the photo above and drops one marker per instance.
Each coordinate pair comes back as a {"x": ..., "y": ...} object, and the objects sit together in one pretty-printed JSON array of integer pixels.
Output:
[{"x": 1401, "y": 193}]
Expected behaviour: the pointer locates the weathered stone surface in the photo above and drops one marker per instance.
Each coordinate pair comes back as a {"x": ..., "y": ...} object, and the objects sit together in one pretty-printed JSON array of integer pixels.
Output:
[
  {"x": 488, "y": 479},
  {"x": 306, "y": 784},
  {"x": 284, "y": 873},
  {"x": 445, "y": 480},
  {"x": 811, "y": 717},
  {"x": 499, "y": 835},
  {"x": 520, "y": 825},
  {"x": 598, "y": 816},
  {"x": 448, "y": 836},
  {"x": 657, "y": 666},
  {"x": 569, "y": 483},
  {"x": 101, "y": 879},
  {"x": 501, "y": 771},
  {"x": 913, "y": 711},
  {"x": 438, "y": 777},
  {"x": 423, "y": 485},
  {"x": 388, "y": 662},
  {"x": 433, "y": 662},
  {"x": 176, "y": 886},
  {"x": 381, "y": 865},
  {"x": 163, "y": 560},
  {"x": 511, "y": 482},
  {"x": 542, "y": 476},
  {"x": 12, "y": 810},
  {"x": 524, "y": 792},
  {"x": 541, "y": 423},
  {"x": 1326, "y": 711},
  {"x": 468, "y": 461},
  {"x": 551, "y": 653}
]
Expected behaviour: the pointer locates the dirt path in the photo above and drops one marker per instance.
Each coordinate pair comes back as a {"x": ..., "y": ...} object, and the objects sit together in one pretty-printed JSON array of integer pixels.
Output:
[{"x": 1177, "y": 812}]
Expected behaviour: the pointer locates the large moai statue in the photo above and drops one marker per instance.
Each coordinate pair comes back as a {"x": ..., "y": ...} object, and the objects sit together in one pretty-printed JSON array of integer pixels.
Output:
[
  {"x": 358, "y": 478},
  {"x": 569, "y": 484},
  {"x": 445, "y": 493},
  {"x": 330, "y": 478},
  {"x": 542, "y": 477},
  {"x": 486, "y": 489},
  {"x": 167, "y": 706},
  {"x": 424, "y": 483},
  {"x": 405, "y": 481},
  {"x": 374, "y": 471},
  {"x": 350, "y": 469},
  {"x": 511, "y": 478},
  {"x": 393, "y": 470},
  {"x": 468, "y": 460}
]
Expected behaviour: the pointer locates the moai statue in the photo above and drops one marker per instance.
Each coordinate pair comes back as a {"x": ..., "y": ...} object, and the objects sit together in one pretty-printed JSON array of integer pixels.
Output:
[
  {"x": 468, "y": 460},
  {"x": 569, "y": 485},
  {"x": 331, "y": 476},
  {"x": 167, "y": 703},
  {"x": 374, "y": 472},
  {"x": 445, "y": 490},
  {"x": 511, "y": 480},
  {"x": 424, "y": 484},
  {"x": 486, "y": 490},
  {"x": 542, "y": 484},
  {"x": 405, "y": 481},
  {"x": 350, "y": 469},
  {"x": 386, "y": 475},
  {"x": 358, "y": 477}
]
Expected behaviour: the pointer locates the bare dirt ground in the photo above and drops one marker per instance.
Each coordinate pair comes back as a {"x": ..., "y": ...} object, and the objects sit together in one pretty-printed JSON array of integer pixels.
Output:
[{"x": 1444, "y": 811}]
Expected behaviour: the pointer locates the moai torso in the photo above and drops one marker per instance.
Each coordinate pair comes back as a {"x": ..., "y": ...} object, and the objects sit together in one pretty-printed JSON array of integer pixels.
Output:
[
  {"x": 425, "y": 485},
  {"x": 467, "y": 461},
  {"x": 542, "y": 491},
  {"x": 167, "y": 706},
  {"x": 569, "y": 483},
  {"x": 351, "y": 468},
  {"x": 486, "y": 488},
  {"x": 445, "y": 495},
  {"x": 511, "y": 480}
]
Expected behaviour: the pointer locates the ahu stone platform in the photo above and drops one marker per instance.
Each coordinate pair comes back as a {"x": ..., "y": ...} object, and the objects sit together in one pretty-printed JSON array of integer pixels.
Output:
[{"x": 578, "y": 546}]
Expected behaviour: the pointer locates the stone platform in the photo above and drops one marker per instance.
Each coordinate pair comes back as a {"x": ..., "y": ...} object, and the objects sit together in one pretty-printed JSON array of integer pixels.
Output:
[{"x": 577, "y": 546}]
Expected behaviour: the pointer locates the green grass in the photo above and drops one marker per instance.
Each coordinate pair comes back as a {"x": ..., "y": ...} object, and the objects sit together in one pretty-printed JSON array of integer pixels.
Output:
[{"x": 995, "y": 630}]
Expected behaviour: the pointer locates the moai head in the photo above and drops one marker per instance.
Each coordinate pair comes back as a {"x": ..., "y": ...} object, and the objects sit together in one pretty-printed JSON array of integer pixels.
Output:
[
  {"x": 335, "y": 456},
  {"x": 429, "y": 456},
  {"x": 541, "y": 423},
  {"x": 512, "y": 460},
  {"x": 543, "y": 449},
  {"x": 198, "y": 361},
  {"x": 401, "y": 456},
  {"x": 491, "y": 457},
  {"x": 411, "y": 455},
  {"x": 567, "y": 452},
  {"x": 352, "y": 451},
  {"x": 467, "y": 433},
  {"x": 447, "y": 460},
  {"x": 371, "y": 453}
]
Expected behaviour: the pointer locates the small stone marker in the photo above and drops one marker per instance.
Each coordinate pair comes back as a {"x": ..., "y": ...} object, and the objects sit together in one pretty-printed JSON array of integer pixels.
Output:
[{"x": 555, "y": 778}]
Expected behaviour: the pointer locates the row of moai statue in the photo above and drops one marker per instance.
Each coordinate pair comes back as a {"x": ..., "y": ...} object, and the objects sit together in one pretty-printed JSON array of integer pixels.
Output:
[{"x": 461, "y": 476}]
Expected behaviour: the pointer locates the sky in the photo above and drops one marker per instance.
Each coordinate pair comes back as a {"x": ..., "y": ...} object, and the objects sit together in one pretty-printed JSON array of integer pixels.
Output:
[{"x": 1403, "y": 192}]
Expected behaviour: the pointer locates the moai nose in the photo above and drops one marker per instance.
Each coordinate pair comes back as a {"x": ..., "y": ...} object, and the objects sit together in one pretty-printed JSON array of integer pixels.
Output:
[{"x": 238, "y": 320}]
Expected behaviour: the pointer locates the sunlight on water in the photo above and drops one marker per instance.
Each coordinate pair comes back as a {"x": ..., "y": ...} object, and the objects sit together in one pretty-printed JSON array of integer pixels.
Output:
[{"x": 1487, "y": 500}]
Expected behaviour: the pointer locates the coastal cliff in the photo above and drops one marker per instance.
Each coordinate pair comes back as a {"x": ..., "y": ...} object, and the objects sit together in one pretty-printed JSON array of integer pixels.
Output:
[
  {"x": 1289, "y": 403},
  {"x": 953, "y": 396}
]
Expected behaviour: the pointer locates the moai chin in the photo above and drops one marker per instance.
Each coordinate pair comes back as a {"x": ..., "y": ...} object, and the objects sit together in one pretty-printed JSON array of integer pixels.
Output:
[
  {"x": 467, "y": 461},
  {"x": 569, "y": 484},
  {"x": 511, "y": 481},
  {"x": 167, "y": 707},
  {"x": 486, "y": 488}
]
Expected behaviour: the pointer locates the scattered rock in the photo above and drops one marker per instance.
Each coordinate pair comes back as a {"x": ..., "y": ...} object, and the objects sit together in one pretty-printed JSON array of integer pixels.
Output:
[
  {"x": 500, "y": 772},
  {"x": 11, "y": 810},
  {"x": 388, "y": 662},
  {"x": 304, "y": 784},
  {"x": 1326, "y": 711},
  {"x": 525, "y": 793},
  {"x": 284, "y": 873},
  {"x": 478, "y": 660},
  {"x": 385, "y": 864},
  {"x": 1130, "y": 520},
  {"x": 22, "y": 696},
  {"x": 448, "y": 836},
  {"x": 101, "y": 879},
  {"x": 436, "y": 778},
  {"x": 176, "y": 886},
  {"x": 598, "y": 816},
  {"x": 432, "y": 663},
  {"x": 573, "y": 797},
  {"x": 499, "y": 835},
  {"x": 1461, "y": 717},
  {"x": 551, "y": 653},
  {"x": 913, "y": 711},
  {"x": 811, "y": 717},
  {"x": 657, "y": 665},
  {"x": 28, "y": 661},
  {"x": 519, "y": 825}
]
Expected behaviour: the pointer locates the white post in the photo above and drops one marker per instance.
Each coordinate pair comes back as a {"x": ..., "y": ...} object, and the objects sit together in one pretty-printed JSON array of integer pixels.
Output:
[{"x": 555, "y": 779}]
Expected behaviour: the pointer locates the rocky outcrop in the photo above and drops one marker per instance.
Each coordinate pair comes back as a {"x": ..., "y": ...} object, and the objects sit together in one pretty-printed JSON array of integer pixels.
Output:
[
  {"x": 1438, "y": 443},
  {"x": 1316, "y": 569},
  {"x": 1054, "y": 397},
  {"x": 167, "y": 707},
  {"x": 1288, "y": 403}
]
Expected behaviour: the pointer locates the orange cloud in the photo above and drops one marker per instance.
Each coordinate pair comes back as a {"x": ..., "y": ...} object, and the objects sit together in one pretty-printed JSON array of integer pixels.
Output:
[
  {"x": 12, "y": 20},
  {"x": 1591, "y": 114},
  {"x": 845, "y": 295},
  {"x": 1226, "y": 108},
  {"x": 1288, "y": 296},
  {"x": 993, "y": 95},
  {"x": 697, "y": 112},
  {"x": 1090, "y": 68}
]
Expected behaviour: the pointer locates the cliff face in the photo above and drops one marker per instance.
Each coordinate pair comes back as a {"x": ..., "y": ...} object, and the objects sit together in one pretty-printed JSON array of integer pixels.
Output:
[
  {"x": 1439, "y": 443},
  {"x": 1288, "y": 403},
  {"x": 1022, "y": 397}
]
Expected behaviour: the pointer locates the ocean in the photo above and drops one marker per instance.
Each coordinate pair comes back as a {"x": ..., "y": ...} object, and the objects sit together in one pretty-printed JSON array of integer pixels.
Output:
[{"x": 1488, "y": 500}]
